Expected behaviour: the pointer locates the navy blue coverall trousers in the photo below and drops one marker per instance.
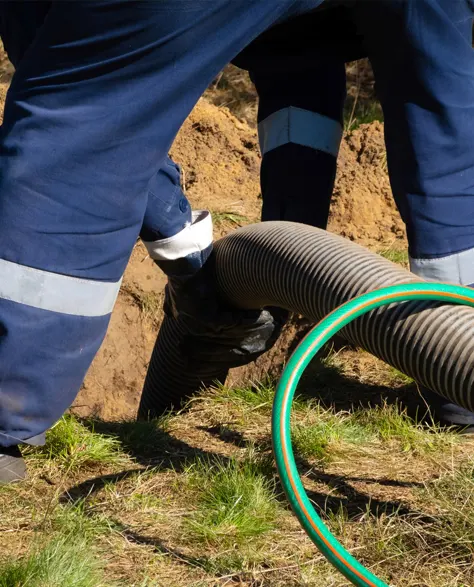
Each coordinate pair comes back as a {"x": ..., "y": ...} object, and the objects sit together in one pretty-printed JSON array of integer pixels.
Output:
[{"x": 98, "y": 96}]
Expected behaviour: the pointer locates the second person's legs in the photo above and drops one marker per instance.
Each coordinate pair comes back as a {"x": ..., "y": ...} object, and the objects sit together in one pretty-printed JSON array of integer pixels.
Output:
[
  {"x": 300, "y": 129},
  {"x": 423, "y": 61},
  {"x": 298, "y": 69}
]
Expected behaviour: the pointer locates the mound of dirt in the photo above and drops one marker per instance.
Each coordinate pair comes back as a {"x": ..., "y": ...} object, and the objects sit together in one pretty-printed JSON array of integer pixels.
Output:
[
  {"x": 362, "y": 207},
  {"x": 220, "y": 159},
  {"x": 3, "y": 95}
]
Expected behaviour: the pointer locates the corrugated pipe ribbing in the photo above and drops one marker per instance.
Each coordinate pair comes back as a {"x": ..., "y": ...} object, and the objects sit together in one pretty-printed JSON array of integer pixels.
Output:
[{"x": 311, "y": 272}]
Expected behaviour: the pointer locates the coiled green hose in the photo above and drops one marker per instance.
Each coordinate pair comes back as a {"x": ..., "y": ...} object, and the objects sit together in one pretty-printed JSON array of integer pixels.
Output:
[{"x": 335, "y": 553}]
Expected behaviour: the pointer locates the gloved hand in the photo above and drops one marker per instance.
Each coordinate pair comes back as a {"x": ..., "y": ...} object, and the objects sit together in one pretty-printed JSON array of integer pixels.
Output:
[{"x": 216, "y": 332}]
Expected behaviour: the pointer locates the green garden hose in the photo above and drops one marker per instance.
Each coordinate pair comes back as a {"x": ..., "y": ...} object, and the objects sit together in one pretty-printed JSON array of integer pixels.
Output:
[{"x": 335, "y": 553}]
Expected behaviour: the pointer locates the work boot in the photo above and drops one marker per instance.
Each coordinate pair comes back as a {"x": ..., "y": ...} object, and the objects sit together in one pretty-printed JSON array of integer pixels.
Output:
[
  {"x": 446, "y": 414},
  {"x": 12, "y": 465}
]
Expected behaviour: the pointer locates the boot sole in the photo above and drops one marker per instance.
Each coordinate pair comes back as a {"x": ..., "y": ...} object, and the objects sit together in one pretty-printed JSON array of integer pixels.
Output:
[{"x": 13, "y": 471}]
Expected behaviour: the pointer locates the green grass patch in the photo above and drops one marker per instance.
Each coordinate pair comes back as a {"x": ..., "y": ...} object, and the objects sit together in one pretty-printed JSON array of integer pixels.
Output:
[
  {"x": 326, "y": 438},
  {"x": 398, "y": 256},
  {"x": 79, "y": 518},
  {"x": 137, "y": 438},
  {"x": 391, "y": 423},
  {"x": 235, "y": 501},
  {"x": 66, "y": 561},
  {"x": 219, "y": 218},
  {"x": 359, "y": 112},
  {"x": 254, "y": 397},
  {"x": 71, "y": 446},
  {"x": 399, "y": 377}
]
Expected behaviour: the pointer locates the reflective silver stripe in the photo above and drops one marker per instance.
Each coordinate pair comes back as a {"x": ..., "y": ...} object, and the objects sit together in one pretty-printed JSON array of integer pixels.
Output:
[
  {"x": 56, "y": 292},
  {"x": 194, "y": 238},
  {"x": 457, "y": 268},
  {"x": 302, "y": 127}
]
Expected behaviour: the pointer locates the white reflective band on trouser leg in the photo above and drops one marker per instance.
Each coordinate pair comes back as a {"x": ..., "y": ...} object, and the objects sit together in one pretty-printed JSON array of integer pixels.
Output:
[
  {"x": 194, "y": 238},
  {"x": 301, "y": 127},
  {"x": 457, "y": 268},
  {"x": 56, "y": 292}
]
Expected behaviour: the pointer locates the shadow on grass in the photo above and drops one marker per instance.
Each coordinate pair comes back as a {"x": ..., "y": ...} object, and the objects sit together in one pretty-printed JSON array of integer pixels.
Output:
[
  {"x": 152, "y": 446},
  {"x": 160, "y": 547},
  {"x": 160, "y": 452},
  {"x": 345, "y": 394},
  {"x": 354, "y": 501},
  {"x": 227, "y": 435},
  {"x": 176, "y": 455}
]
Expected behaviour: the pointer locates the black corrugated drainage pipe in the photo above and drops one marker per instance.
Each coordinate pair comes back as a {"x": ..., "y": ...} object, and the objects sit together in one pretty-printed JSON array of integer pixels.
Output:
[{"x": 310, "y": 272}]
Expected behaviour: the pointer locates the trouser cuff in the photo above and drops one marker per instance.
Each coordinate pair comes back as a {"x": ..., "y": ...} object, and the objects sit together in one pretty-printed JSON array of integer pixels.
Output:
[{"x": 457, "y": 268}]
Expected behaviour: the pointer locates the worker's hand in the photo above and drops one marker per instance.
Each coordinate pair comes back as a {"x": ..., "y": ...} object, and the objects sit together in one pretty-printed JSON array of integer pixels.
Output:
[{"x": 216, "y": 332}]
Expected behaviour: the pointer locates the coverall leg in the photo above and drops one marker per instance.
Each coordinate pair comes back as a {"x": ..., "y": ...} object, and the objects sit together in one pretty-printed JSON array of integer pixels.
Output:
[
  {"x": 92, "y": 110},
  {"x": 421, "y": 52},
  {"x": 423, "y": 61},
  {"x": 298, "y": 69},
  {"x": 20, "y": 21}
]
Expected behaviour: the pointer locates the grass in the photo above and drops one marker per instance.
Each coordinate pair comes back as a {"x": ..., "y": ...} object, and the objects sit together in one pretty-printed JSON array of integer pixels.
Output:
[
  {"x": 327, "y": 435},
  {"x": 398, "y": 256},
  {"x": 209, "y": 511},
  {"x": 220, "y": 218},
  {"x": 70, "y": 446},
  {"x": 78, "y": 518},
  {"x": 149, "y": 303},
  {"x": 235, "y": 501},
  {"x": 141, "y": 438},
  {"x": 399, "y": 377},
  {"x": 256, "y": 397},
  {"x": 391, "y": 423},
  {"x": 453, "y": 525},
  {"x": 252, "y": 397},
  {"x": 360, "y": 112},
  {"x": 65, "y": 561},
  {"x": 327, "y": 438},
  {"x": 234, "y": 90}
]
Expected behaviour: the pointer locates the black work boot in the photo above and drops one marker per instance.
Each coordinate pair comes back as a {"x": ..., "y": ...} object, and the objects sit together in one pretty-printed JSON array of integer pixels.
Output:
[
  {"x": 12, "y": 465},
  {"x": 445, "y": 413}
]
